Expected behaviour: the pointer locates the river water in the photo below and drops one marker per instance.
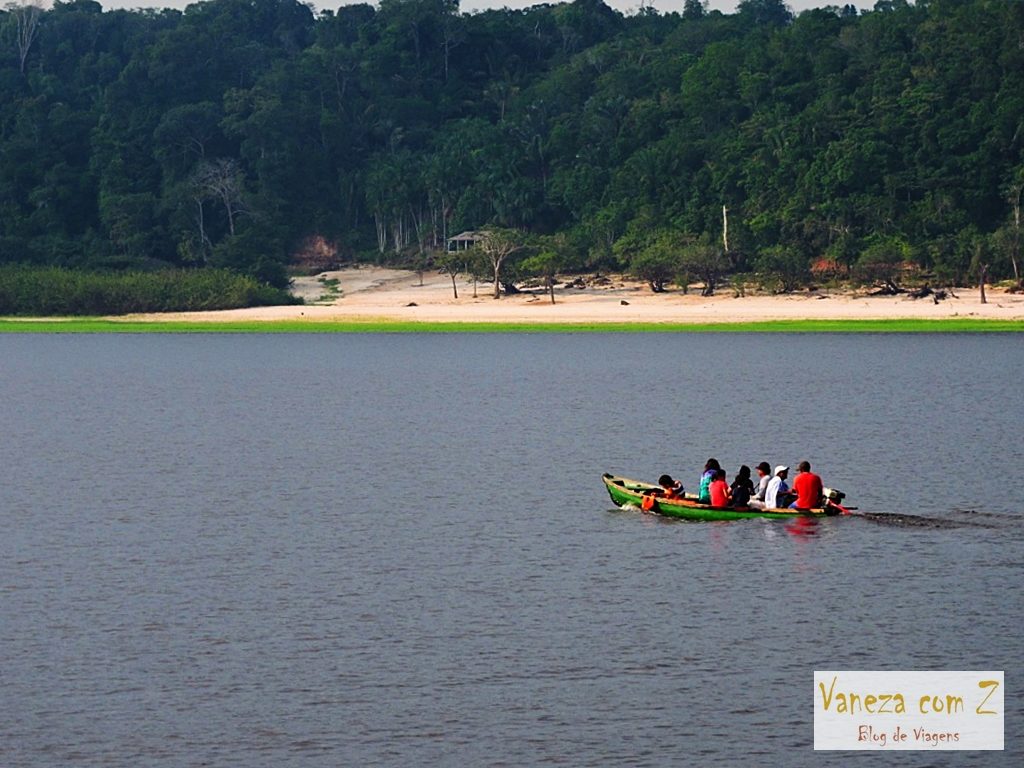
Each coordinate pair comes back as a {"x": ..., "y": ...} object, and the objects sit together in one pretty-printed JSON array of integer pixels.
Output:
[{"x": 396, "y": 549}]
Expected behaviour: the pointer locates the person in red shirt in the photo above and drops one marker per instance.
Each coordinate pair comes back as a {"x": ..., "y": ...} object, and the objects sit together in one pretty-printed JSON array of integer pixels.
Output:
[
  {"x": 807, "y": 486},
  {"x": 719, "y": 490}
]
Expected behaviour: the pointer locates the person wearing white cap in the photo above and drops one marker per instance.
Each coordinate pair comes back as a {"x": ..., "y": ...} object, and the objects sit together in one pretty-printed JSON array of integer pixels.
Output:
[{"x": 774, "y": 497}]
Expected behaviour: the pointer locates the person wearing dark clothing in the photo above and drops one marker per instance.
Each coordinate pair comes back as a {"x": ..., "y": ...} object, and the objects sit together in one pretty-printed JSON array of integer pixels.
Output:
[
  {"x": 671, "y": 489},
  {"x": 742, "y": 487}
]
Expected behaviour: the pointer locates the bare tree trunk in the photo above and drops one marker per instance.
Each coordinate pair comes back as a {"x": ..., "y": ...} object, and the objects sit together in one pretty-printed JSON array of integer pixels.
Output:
[
  {"x": 201, "y": 221},
  {"x": 419, "y": 224},
  {"x": 231, "y": 216},
  {"x": 551, "y": 288},
  {"x": 434, "y": 215},
  {"x": 455, "y": 288},
  {"x": 497, "y": 246},
  {"x": 984, "y": 272},
  {"x": 396, "y": 234},
  {"x": 448, "y": 42},
  {"x": 444, "y": 223},
  {"x": 1015, "y": 250},
  {"x": 725, "y": 228},
  {"x": 27, "y": 17},
  {"x": 222, "y": 179},
  {"x": 382, "y": 231},
  {"x": 1014, "y": 258}
]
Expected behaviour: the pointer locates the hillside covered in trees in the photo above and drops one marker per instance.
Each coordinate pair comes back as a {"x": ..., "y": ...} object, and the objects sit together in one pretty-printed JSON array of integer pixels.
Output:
[{"x": 234, "y": 134}]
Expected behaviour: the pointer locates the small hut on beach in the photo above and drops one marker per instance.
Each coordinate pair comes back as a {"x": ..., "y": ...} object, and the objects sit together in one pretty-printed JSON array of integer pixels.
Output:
[{"x": 464, "y": 241}]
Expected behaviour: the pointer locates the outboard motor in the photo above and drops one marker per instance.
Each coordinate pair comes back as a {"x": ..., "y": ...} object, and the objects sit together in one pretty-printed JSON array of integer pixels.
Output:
[
  {"x": 834, "y": 501},
  {"x": 831, "y": 494}
]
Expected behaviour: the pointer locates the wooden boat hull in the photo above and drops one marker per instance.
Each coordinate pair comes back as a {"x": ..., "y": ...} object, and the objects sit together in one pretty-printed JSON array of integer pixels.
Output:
[{"x": 624, "y": 491}]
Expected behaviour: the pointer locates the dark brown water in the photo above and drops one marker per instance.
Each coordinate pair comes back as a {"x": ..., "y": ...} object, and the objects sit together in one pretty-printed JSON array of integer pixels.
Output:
[{"x": 396, "y": 550}]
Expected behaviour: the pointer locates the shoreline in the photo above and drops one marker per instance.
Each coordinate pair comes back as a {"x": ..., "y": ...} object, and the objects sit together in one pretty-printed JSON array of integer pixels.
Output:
[
  {"x": 378, "y": 300},
  {"x": 107, "y": 325}
]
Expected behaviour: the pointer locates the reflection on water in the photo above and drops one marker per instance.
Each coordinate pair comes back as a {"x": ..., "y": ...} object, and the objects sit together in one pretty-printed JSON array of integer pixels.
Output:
[
  {"x": 802, "y": 526},
  {"x": 397, "y": 550}
]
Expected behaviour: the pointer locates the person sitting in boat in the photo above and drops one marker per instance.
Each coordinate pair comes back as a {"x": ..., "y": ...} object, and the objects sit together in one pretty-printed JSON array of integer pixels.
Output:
[
  {"x": 807, "y": 486},
  {"x": 764, "y": 474},
  {"x": 710, "y": 468},
  {"x": 742, "y": 487},
  {"x": 718, "y": 490},
  {"x": 670, "y": 489},
  {"x": 777, "y": 494}
]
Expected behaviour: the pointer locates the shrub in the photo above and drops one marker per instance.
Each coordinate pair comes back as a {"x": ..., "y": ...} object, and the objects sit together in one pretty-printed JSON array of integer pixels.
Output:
[
  {"x": 48, "y": 291},
  {"x": 785, "y": 266}
]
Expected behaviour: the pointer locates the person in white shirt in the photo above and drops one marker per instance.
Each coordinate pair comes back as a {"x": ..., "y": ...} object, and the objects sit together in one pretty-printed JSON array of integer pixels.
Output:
[
  {"x": 775, "y": 494},
  {"x": 764, "y": 473}
]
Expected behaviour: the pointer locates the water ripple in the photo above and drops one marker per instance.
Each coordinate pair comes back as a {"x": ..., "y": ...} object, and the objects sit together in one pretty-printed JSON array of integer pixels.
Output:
[{"x": 362, "y": 550}]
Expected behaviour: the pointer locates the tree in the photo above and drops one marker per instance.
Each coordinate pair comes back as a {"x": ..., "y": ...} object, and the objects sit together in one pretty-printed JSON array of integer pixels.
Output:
[
  {"x": 832, "y": 133},
  {"x": 477, "y": 266},
  {"x": 883, "y": 260},
  {"x": 27, "y": 20},
  {"x": 1005, "y": 241},
  {"x": 785, "y": 264},
  {"x": 656, "y": 265},
  {"x": 694, "y": 9},
  {"x": 128, "y": 218},
  {"x": 979, "y": 263},
  {"x": 1013, "y": 196},
  {"x": 655, "y": 255},
  {"x": 549, "y": 260},
  {"x": 497, "y": 245},
  {"x": 706, "y": 261},
  {"x": 222, "y": 179},
  {"x": 184, "y": 132},
  {"x": 772, "y": 12},
  {"x": 453, "y": 264}
]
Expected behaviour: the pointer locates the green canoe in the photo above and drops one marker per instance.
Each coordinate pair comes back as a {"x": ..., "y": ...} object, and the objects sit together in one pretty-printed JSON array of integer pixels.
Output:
[{"x": 624, "y": 491}]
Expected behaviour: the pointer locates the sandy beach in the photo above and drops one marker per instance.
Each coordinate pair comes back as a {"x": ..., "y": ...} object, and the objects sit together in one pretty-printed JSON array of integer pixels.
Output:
[{"x": 374, "y": 293}]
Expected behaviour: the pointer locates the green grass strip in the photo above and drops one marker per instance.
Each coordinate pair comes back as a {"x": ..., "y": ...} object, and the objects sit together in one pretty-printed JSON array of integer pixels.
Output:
[{"x": 100, "y": 325}]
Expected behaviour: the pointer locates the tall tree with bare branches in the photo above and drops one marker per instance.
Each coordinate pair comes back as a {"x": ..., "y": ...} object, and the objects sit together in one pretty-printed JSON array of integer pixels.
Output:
[
  {"x": 497, "y": 245},
  {"x": 26, "y": 18},
  {"x": 222, "y": 180}
]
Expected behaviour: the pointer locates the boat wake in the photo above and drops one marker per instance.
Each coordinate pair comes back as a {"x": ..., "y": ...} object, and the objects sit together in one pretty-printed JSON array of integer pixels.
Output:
[
  {"x": 994, "y": 516},
  {"x": 901, "y": 520}
]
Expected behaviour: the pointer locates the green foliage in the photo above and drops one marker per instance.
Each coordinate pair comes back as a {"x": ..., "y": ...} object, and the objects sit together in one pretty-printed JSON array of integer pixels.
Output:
[
  {"x": 656, "y": 266},
  {"x": 785, "y": 266},
  {"x": 883, "y": 260},
  {"x": 226, "y": 134},
  {"x": 551, "y": 255},
  {"x": 53, "y": 291},
  {"x": 706, "y": 262},
  {"x": 656, "y": 255},
  {"x": 496, "y": 248}
]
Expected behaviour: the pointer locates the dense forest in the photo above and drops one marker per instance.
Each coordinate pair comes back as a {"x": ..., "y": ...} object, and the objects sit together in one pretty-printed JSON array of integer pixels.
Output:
[{"x": 242, "y": 135}]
